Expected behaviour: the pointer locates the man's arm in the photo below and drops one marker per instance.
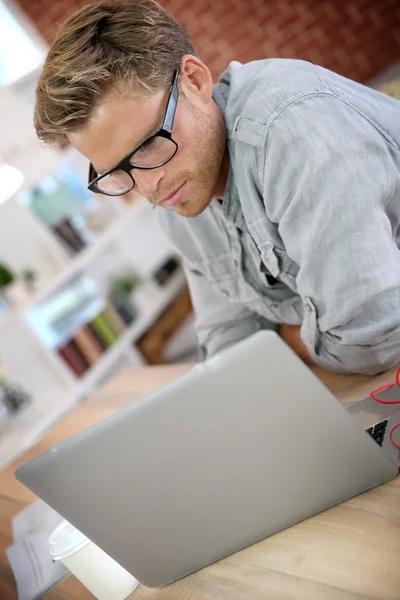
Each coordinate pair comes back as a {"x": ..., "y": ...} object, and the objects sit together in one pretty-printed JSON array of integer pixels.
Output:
[
  {"x": 291, "y": 335},
  {"x": 220, "y": 323},
  {"x": 331, "y": 182}
]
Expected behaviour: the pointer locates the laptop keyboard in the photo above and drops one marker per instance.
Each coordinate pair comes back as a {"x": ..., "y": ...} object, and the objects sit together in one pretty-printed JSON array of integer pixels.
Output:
[{"x": 378, "y": 431}]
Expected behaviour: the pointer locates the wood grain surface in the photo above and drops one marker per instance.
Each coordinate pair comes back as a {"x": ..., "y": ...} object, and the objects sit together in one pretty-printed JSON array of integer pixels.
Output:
[{"x": 350, "y": 552}]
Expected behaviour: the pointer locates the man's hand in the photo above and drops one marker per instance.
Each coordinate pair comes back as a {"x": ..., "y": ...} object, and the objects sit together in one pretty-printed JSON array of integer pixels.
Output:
[{"x": 291, "y": 335}]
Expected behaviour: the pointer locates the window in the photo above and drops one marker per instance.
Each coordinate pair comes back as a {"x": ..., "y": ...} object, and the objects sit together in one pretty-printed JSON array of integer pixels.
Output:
[{"x": 20, "y": 54}]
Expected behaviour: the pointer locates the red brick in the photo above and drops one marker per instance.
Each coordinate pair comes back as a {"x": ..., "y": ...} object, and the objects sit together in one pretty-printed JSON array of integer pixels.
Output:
[
  {"x": 254, "y": 53},
  {"x": 366, "y": 31}
]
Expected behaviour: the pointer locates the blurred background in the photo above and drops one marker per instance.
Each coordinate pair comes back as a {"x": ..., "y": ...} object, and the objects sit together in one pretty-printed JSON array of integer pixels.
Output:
[
  {"x": 88, "y": 286},
  {"x": 357, "y": 38}
]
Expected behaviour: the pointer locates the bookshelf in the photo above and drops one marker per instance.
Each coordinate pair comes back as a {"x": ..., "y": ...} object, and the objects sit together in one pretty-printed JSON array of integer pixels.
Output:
[
  {"x": 29, "y": 345},
  {"x": 26, "y": 427},
  {"x": 84, "y": 258},
  {"x": 37, "y": 323},
  {"x": 155, "y": 307}
]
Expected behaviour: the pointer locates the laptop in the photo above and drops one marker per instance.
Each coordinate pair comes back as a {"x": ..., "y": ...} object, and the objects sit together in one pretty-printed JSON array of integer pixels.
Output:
[
  {"x": 381, "y": 421},
  {"x": 242, "y": 446}
]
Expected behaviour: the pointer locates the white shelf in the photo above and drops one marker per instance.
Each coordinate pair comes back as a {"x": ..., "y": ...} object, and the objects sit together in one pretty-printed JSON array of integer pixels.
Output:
[
  {"x": 26, "y": 428},
  {"x": 134, "y": 240},
  {"x": 132, "y": 333},
  {"x": 79, "y": 263}
]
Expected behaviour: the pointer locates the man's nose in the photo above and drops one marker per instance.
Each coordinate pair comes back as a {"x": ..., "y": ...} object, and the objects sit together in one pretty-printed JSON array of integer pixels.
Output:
[{"x": 147, "y": 181}]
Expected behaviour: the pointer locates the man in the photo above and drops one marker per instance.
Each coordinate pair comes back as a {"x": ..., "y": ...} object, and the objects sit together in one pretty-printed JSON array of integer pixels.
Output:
[{"x": 290, "y": 175}]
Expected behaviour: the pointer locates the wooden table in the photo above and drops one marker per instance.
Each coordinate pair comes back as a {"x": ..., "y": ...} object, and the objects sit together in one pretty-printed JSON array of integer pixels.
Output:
[{"x": 350, "y": 552}]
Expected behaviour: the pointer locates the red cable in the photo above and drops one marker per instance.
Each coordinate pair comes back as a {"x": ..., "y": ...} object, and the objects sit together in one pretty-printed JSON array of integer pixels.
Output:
[
  {"x": 391, "y": 436},
  {"x": 384, "y": 387}
]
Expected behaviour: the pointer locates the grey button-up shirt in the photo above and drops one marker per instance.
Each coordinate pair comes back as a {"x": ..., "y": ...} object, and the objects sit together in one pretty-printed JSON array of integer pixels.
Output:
[{"x": 309, "y": 229}]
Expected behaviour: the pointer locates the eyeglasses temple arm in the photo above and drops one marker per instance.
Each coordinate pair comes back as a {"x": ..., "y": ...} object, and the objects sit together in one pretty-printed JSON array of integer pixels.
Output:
[{"x": 172, "y": 102}]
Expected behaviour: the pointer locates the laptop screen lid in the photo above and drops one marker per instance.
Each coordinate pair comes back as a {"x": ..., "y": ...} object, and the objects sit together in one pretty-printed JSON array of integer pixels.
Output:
[{"x": 240, "y": 447}]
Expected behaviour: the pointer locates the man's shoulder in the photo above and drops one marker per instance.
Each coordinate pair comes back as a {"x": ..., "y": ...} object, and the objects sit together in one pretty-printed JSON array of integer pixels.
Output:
[
  {"x": 258, "y": 89},
  {"x": 185, "y": 233}
]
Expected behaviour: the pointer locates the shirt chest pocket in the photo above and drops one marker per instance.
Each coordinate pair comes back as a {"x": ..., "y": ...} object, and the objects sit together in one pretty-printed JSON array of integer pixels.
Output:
[
  {"x": 269, "y": 299},
  {"x": 224, "y": 274}
]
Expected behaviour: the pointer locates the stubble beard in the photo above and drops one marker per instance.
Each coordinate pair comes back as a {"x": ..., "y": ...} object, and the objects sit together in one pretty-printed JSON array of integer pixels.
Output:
[{"x": 208, "y": 146}]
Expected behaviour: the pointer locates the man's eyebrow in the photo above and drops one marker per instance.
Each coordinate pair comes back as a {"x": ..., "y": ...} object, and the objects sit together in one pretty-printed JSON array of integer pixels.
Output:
[
  {"x": 154, "y": 127},
  {"x": 150, "y": 132}
]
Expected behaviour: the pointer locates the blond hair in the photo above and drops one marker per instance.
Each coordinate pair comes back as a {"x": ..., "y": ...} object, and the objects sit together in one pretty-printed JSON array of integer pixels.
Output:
[{"x": 132, "y": 44}]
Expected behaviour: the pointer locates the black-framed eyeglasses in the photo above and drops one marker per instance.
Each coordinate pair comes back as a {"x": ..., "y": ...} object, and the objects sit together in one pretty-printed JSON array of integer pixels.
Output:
[{"x": 155, "y": 151}]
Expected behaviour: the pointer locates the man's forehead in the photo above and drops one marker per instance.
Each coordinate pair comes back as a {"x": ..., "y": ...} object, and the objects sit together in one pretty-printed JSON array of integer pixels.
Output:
[{"x": 117, "y": 125}]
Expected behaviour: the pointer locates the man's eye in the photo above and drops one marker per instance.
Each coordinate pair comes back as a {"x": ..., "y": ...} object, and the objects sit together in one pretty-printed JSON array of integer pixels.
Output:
[{"x": 147, "y": 145}]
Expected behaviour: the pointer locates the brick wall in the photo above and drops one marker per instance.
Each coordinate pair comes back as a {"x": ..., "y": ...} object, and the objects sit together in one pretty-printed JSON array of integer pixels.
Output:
[{"x": 357, "y": 38}]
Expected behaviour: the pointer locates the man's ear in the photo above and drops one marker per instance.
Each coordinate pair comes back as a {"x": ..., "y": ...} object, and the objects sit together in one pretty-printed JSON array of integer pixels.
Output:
[{"x": 195, "y": 79}]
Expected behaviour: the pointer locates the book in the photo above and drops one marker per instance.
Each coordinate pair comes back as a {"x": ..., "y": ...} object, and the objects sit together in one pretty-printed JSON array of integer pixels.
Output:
[
  {"x": 69, "y": 235},
  {"x": 104, "y": 329},
  {"x": 69, "y": 229},
  {"x": 167, "y": 269},
  {"x": 114, "y": 318},
  {"x": 88, "y": 345},
  {"x": 64, "y": 241},
  {"x": 99, "y": 340},
  {"x": 71, "y": 354}
]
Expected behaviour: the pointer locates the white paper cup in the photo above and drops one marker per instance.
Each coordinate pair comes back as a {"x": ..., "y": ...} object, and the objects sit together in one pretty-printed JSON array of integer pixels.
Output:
[{"x": 98, "y": 572}]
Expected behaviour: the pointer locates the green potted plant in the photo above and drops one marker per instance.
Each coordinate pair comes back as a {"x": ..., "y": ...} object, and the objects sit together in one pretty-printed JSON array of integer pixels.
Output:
[
  {"x": 12, "y": 396},
  {"x": 29, "y": 277},
  {"x": 121, "y": 290},
  {"x": 6, "y": 279},
  {"x": 124, "y": 284}
]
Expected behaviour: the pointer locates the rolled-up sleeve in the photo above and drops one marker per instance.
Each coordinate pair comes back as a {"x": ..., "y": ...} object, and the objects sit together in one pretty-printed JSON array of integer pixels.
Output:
[
  {"x": 331, "y": 183},
  {"x": 219, "y": 323}
]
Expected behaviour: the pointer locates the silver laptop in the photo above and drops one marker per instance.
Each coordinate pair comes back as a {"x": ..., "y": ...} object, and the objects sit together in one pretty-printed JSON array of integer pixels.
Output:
[
  {"x": 381, "y": 421},
  {"x": 240, "y": 447}
]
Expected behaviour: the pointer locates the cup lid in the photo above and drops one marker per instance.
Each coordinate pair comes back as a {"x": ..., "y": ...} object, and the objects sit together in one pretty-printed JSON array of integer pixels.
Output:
[{"x": 66, "y": 540}]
